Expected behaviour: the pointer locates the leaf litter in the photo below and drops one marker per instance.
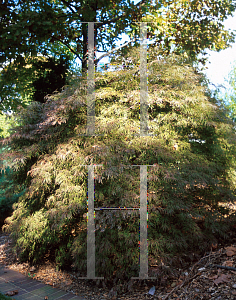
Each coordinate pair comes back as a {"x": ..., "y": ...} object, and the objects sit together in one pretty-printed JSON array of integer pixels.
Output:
[{"x": 211, "y": 277}]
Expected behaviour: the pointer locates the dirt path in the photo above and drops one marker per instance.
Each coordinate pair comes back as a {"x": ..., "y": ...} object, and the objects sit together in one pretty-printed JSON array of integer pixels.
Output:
[{"x": 213, "y": 276}]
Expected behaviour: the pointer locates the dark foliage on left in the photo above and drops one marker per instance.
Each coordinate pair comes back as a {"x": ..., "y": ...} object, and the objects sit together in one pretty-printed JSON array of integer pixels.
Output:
[{"x": 52, "y": 76}]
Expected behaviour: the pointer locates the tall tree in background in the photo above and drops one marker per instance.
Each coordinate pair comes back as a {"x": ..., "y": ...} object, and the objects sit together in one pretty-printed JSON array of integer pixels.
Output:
[
  {"x": 30, "y": 27},
  {"x": 52, "y": 77},
  {"x": 228, "y": 99},
  {"x": 191, "y": 26},
  {"x": 17, "y": 77},
  {"x": 40, "y": 76}
]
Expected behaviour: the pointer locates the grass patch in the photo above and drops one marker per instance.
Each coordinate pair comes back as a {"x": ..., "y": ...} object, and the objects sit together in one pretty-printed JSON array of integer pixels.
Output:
[{"x": 3, "y": 297}]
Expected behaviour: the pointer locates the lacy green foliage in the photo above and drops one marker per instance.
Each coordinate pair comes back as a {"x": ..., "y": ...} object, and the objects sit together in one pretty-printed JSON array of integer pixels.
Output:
[
  {"x": 5, "y": 125},
  {"x": 9, "y": 192},
  {"x": 192, "y": 150}
]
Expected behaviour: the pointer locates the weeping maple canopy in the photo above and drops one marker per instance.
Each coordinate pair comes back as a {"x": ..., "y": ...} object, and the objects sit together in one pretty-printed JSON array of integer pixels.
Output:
[{"x": 190, "y": 182}]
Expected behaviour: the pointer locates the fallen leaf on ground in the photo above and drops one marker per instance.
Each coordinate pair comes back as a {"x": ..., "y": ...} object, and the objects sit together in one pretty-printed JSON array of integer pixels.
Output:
[
  {"x": 222, "y": 278},
  {"x": 230, "y": 251},
  {"x": 12, "y": 293},
  {"x": 228, "y": 263}
]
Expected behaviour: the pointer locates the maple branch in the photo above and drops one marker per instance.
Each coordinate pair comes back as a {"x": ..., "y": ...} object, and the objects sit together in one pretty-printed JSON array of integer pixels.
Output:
[
  {"x": 225, "y": 267},
  {"x": 113, "y": 50},
  {"x": 68, "y": 5},
  {"x": 67, "y": 47}
]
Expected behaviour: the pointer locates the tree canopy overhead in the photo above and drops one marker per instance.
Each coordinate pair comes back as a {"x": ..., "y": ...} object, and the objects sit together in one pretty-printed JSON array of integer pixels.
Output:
[
  {"x": 29, "y": 28},
  {"x": 192, "y": 25},
  {"x": 29, "y": 25}
]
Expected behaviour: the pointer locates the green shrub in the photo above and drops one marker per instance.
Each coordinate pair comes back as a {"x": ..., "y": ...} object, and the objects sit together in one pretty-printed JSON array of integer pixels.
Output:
[{"x": 9, "y": 194}]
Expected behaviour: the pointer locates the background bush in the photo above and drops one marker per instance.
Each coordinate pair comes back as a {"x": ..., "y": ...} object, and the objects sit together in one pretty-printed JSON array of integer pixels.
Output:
[{"x": 9, "y": 193}]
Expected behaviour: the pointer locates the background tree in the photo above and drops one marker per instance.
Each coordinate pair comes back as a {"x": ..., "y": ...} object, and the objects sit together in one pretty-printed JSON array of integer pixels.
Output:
[
  {"x": 189, "y": 187},
  {"x": 191, "y": 26},
  {"x": 60, "y": 21},
  {"x": 9, "y": 191},
  {"x": 51, "y": 77},
  {"x": 18, "y": 81},
  {"x": 188, "y": 27},
  {"x": 228, "y": 98}
]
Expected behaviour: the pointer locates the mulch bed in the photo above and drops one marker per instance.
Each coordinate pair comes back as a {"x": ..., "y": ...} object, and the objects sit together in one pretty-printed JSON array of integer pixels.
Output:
[{"x": 212, "y": 276}]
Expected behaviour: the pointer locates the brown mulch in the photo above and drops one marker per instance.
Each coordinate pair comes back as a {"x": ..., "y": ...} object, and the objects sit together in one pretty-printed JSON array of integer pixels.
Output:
[{"x": 212, "y": 276}]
